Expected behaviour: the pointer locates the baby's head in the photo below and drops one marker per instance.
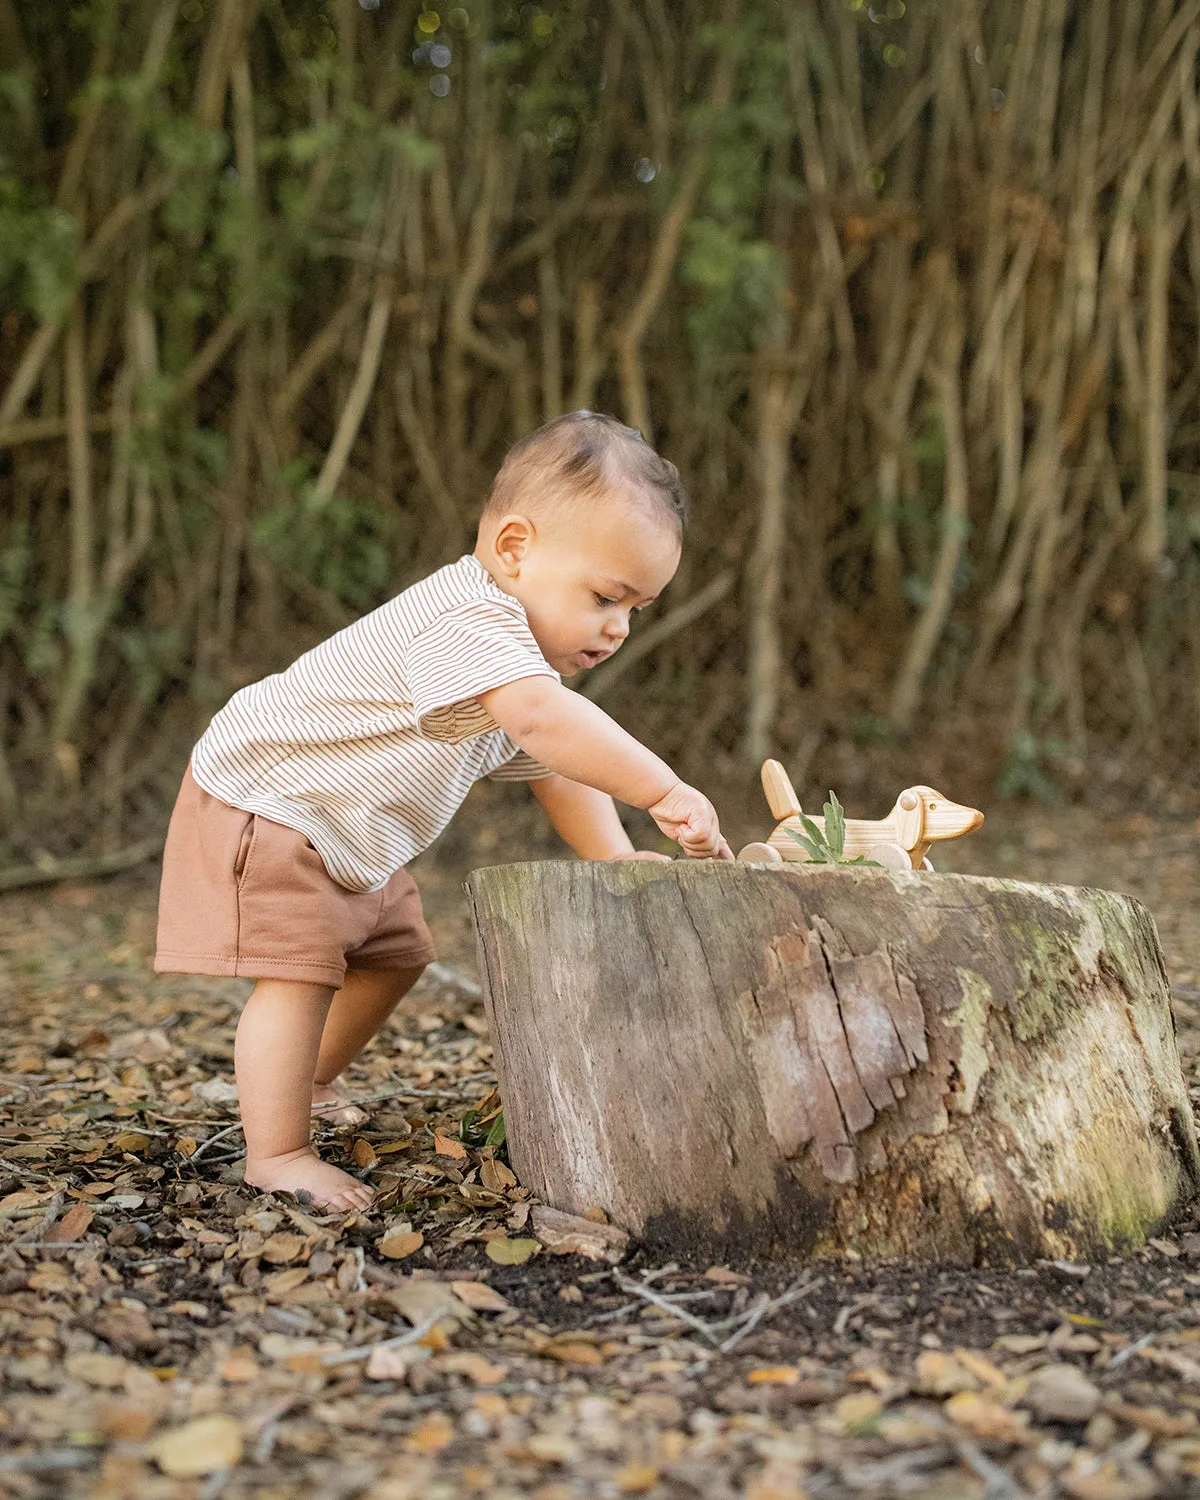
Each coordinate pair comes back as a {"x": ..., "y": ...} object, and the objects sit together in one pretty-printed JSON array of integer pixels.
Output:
[{"x": 583, "y": 525}]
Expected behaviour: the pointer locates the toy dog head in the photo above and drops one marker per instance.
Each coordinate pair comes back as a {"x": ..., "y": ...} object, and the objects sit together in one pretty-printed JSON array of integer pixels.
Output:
[{"x": 923, "y": 816}]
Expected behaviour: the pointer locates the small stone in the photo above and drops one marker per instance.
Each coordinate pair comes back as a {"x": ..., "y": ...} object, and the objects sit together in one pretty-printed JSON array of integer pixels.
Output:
[{"x": 1061, "y": 1393}]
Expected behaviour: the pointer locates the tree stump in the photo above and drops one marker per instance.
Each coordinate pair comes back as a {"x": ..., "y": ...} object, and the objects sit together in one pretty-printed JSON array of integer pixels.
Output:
[{"x": 740, "y": 1060}]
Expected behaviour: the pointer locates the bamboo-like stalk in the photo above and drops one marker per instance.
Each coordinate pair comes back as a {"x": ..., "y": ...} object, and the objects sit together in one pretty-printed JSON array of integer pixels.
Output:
[{"x": 944, "y": 375}]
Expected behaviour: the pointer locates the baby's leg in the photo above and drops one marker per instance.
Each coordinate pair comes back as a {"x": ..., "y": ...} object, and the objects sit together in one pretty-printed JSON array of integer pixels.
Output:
[
  {"x": 364, "y": 1002},
  {"x": 275, "y": 1057}
]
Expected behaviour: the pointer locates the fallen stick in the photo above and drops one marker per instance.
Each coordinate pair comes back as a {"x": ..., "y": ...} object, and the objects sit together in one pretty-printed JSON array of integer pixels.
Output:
[
  {"x": 18, "y": 877},
  {"x": 364, "y": 1351}
]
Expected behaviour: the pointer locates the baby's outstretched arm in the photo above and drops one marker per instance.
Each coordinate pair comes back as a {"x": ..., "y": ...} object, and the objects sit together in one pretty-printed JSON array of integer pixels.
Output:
[{"x": 579, "y": 741}]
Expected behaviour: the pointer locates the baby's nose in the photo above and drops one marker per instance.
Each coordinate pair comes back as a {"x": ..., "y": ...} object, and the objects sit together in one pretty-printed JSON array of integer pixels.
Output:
[{"x": 617, "y": 626}]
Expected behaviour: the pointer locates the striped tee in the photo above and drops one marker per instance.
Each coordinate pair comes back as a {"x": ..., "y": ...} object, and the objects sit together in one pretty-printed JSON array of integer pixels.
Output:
[{"x": 369, "y": 743}]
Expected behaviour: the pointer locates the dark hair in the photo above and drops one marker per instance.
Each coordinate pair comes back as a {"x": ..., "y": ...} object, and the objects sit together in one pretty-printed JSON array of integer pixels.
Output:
[{"x": 586, "y": 454}]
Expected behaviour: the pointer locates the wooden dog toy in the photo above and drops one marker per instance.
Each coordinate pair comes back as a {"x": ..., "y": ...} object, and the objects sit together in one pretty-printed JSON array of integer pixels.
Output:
[{"x": 921, "y": 817}]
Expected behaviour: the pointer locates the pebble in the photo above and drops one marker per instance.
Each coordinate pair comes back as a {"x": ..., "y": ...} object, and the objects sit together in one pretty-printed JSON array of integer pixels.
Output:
[{"x": 1061, "y": 1393}]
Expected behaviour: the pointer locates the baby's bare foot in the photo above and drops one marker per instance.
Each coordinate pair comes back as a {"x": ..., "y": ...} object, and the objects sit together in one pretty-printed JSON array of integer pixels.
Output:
[
  {"x": 328, "y": 1105},
  {"x": 310, "y": 1179}
]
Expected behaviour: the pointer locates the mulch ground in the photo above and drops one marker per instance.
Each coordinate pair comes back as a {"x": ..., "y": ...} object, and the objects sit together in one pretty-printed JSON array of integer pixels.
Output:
[{"x": 167, "y": 1332}]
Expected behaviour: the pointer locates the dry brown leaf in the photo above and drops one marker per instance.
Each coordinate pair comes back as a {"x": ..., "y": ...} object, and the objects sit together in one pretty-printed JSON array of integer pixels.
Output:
[
  {"x": 574, "y": 1352},
  {"x": 435, "y": 1433},
  {"x": 399, "y": 1243},
  {"x": 104, "y": 1370},
  {"x": 635, "y": 1478},
  {"x": 774, "y": 1375},
  {"x": 282, "y": 1282},
  {"x": 364, "y": 1153},
  {"x": 132, "y": 1141},
  {"x": 985, "y": 1418},
  {"x": 479, "y": 1296},
  {"x": 495, "y": 1176},
  {"x": 725, "y": 1277},
  {"x": 859, "y": 1411},
  {"x": 239, "y": 1366},
  {"x": 445, "y": 1145},
  {"x": 281, "y": 1249},
  {"x": 982, "y": 1368},
  {"x": 73, "y": 1225},
  {"x": 506, "y": 1252},
  {"x": 199, "y": 1447},
  {"x": 474, "y": 1366},
  {"x": 941, "y": 1374}
]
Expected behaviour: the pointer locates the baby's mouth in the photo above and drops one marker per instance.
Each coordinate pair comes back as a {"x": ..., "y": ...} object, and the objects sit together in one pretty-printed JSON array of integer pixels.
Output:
[{"x": 591, "y": 658}]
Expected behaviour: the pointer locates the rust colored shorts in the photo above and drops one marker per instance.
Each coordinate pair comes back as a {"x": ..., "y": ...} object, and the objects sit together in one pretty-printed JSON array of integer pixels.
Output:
[{"x": 244, "y": 895}]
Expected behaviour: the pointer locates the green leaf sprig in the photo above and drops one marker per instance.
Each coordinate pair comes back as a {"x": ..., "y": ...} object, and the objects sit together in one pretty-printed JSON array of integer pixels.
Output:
[{"x": 829, "y": 847}]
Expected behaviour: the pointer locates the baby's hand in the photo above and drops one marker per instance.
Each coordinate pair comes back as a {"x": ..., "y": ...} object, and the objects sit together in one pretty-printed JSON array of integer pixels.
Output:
[
  {"x": 688, "y": 817},
  {"x": 640, "y": 854}
]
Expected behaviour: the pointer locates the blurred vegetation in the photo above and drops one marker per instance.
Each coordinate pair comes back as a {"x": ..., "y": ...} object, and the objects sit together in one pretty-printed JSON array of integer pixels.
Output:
[{"x": 910, "y": 292}]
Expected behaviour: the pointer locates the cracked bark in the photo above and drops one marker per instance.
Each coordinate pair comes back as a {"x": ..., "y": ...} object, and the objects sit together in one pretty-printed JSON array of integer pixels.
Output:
[{"x": 733, "y": 1059}]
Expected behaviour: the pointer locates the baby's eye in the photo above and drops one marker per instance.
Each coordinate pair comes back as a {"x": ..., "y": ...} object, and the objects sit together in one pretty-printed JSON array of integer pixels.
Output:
[{"x": 603, "y": 602}]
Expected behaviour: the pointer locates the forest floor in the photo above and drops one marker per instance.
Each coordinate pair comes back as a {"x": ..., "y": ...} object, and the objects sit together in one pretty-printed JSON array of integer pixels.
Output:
[{"x": 165, "y": 1332}]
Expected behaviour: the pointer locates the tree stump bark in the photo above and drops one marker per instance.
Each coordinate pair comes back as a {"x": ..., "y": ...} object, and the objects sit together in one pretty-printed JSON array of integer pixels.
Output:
[{"x": 730, "y": 1059}]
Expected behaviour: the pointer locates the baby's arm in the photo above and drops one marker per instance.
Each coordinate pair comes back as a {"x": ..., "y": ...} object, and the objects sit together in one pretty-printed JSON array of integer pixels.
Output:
[
  {"x": 585, "y": 819},
  {"x": 577, "y": 739}
]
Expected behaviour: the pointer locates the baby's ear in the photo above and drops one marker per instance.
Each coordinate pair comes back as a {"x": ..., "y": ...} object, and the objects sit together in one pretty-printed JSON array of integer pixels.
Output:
[{"x": 513, "y": 540}]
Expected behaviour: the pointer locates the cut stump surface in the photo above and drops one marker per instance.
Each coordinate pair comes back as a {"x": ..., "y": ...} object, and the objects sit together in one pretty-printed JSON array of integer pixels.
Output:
[{"x": 754, "y": 1061}]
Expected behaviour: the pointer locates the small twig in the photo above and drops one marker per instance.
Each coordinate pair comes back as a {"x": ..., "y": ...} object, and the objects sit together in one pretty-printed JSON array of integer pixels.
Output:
[
  {"x": 1130, "y": 1350},
  {"x": 213, "y": 1139},
  {"x": 756, "y": 1314},
  {"x": 673, "y": 1297},
  {"x": 997, "y": 1485},
  {"x": 364, "y": 1351},
  {"x": 637, "y": 1289}
]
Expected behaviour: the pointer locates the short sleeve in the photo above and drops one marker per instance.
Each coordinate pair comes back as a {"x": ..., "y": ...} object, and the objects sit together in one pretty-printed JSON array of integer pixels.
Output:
[
  {"x": 520, "y": 767},
  {"x": 465, "y": 652}
]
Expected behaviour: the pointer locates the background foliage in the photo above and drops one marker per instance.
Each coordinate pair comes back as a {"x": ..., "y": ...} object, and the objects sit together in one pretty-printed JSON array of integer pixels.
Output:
[{"x": 910, "y": 292}]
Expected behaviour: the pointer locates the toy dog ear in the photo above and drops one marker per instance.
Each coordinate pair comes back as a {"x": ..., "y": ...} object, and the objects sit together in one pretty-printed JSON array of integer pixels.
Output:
[{"x": 910, "y": 819}]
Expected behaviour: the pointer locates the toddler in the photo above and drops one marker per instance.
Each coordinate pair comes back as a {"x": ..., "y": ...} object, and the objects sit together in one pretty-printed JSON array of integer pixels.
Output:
[{"x": 311, "y": 790}]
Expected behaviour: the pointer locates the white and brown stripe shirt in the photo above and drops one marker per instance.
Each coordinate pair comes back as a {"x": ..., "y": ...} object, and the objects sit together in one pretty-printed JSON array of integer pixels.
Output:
[{"x": 369, "y": 743}]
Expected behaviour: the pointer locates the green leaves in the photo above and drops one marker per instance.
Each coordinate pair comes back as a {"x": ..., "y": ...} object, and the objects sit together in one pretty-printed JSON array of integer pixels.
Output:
[{"x": 829, "y": 847}]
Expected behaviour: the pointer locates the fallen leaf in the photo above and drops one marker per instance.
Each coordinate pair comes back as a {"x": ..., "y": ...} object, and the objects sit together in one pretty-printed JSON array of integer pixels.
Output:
[
  {"x": 284, "y": 1281},
  {"x": 200, "y": 1447},
  {"x": 982, "y": 1368},
  {"x": 506, "y": 1252},
  {"x": 399, "y": 1243},
  {"x": 281, "y": 1249},
  {"x": 857, "y": 1413},
  {"x": 387, "y": 1364},
  {"x": 435, "y": 1433},
  {"x": 574, "y": 1352},
  {"x": 104, "y": 1370},
  {"x": 774, "y": 1375},
  {"x": 495, "y": 1176},
  {"x": 364, "y": 1153},
  {"x": 636, "y": 1478},
  {"x": 725, "y": 1277},
  {"x": 985, "y": 1418},
  {"x": 132, "y": 1141},
  {"x": 418, "y": 1301},
  {"x": 941, "y": 1374},
  {"x": 73, "y": 1225},
  {"x": 444, "y": 1145},
  {"x": 479, "y": 1296},
  {"x": 239, "y": 1367},
  {"x": 474, "y": 1366},
  {"x": 552, "y": 1448}
]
